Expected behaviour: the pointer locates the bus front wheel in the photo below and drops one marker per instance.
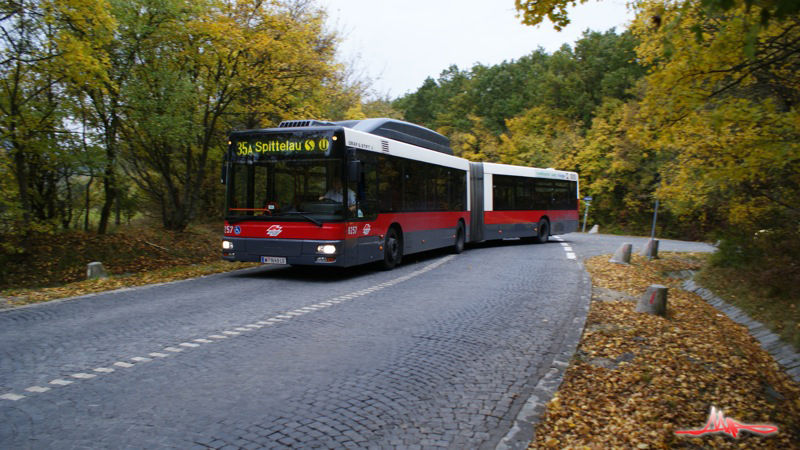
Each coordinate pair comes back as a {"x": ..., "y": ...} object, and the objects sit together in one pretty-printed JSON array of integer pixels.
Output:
[{"x": 392, "y": 250}]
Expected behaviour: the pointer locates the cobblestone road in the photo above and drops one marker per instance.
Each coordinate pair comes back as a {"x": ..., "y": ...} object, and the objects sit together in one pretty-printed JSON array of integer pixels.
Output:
[{"x": 442, "y": 352}]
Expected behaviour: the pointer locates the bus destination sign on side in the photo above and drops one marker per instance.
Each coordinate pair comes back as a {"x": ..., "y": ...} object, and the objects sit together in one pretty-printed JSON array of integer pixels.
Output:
[{"x": 282, "y": 144}]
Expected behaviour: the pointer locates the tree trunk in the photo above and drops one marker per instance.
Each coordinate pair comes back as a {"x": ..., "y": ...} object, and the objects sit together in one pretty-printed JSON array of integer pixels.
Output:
[
  {"x": 88, "y": 200},
  {"x": 109, "y": 189},
  {"x": 109, "y": 176}
]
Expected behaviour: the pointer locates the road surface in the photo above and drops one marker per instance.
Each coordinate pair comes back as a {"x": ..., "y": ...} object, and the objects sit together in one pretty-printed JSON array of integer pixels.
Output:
[{"x": 444, "y": 351}]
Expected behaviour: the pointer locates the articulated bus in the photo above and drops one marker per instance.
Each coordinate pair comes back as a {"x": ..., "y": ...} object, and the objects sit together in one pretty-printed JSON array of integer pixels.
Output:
[{"x": 354, "y": 192}]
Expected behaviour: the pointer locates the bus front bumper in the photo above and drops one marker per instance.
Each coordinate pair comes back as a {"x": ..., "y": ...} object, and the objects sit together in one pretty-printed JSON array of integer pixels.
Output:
[{"x": 284, "y": 251}]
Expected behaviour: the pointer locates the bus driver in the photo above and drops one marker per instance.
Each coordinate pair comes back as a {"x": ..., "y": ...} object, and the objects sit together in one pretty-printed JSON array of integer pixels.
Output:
[{"x": 335, "y": 193}]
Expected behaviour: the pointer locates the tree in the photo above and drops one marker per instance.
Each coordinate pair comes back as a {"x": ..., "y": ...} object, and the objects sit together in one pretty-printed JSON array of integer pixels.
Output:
[
  {"x": 421, "y": 106},
  {"x": 45, "y": 44},
  {"x": 540, "y": 138},
  {"x": 729, "y": 123},
  {"x": 209, "y": 69},
  {"x": 533, "y": 12}
]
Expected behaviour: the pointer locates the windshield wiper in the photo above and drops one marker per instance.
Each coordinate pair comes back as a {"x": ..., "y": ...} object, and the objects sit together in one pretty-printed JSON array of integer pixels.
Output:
[{"x": 303, "y": 215}]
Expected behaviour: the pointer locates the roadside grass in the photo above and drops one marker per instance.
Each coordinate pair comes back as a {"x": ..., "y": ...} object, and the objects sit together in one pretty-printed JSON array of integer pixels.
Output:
[
  {"x": 636, "y": 379},
  {"x": 780, "y": 313}
]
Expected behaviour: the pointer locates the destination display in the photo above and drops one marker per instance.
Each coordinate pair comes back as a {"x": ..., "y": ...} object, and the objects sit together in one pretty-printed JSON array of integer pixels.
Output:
[{"x": 284, "y": 144}]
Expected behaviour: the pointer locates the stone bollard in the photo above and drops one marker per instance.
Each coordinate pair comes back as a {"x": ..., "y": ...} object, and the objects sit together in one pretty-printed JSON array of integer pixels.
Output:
[
  {"x": 96, "y": 270},
  {"x": 650, "y": 250},
  {"x": 595, "y": 229},
  {"x": 622, "y": 255},
  {"x": 654, "y": 301}
]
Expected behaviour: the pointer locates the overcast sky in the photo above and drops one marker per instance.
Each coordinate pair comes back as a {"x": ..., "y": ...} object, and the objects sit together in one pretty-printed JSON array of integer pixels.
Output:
[{"x": 400, "y": 43}]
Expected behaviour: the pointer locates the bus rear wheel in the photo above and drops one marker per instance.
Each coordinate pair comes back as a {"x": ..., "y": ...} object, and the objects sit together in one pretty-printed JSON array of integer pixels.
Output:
[
  {"x": 544, "y": 231},
  {"x": 392, "y": 250},
  {"x": 458, "y": 247}
]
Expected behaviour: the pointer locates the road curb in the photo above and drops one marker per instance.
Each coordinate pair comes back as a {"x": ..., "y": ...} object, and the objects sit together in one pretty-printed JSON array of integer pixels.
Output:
[{"x": 784, "y": 354}]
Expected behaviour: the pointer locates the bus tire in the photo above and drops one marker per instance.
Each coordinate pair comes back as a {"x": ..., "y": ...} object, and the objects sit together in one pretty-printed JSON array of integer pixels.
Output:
[
  {"x": 544, "y": 231},
  {"x": 392, "y": 250},
  {"x": 458, "y": 247}
]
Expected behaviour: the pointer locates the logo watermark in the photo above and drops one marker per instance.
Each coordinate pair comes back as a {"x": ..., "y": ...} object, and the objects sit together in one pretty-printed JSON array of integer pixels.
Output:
[{"x": 718, "y": 423}]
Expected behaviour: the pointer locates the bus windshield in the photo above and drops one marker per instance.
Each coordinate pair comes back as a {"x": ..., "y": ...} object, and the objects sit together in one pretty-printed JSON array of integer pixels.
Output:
[{"x": 304, "y": 189}]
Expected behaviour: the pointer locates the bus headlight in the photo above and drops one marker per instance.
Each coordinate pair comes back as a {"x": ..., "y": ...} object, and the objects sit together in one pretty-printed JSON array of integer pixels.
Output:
[
  {"x": 326, "y": 249},
  {"x": 227, "y": 245}
]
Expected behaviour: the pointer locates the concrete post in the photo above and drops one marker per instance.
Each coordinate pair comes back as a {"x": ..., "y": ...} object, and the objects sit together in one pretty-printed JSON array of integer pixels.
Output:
[
  {"x": 654, "y": 301},
  {"x": 96, "y": 270},
  {"x": 622, "y": 255},
  {"x": 650, "y": 250},
  {"x": 595, "y": 229}
]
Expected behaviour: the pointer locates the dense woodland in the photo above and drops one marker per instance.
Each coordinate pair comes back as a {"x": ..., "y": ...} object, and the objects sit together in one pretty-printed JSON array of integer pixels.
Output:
[{"x": 112, "y": 110}]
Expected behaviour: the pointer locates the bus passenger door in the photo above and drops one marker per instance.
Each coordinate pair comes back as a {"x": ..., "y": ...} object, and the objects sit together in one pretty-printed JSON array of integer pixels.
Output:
[{"x": 476, "y": 201}]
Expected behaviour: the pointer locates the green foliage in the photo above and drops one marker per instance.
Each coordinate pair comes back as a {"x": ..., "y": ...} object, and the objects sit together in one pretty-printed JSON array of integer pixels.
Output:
[
  {"x": 713, "y": 129},
  {"x": 43, "y": 44},
  {"x": 104, "y": 101},
  {"x": 725, "y": 123},
  {"x": 505, "y": 99},
  {"x": 769, "y": 255}
]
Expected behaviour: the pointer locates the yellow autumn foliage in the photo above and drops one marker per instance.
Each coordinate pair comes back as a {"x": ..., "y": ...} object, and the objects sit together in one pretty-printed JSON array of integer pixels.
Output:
[{"x": 720, "y": 107}]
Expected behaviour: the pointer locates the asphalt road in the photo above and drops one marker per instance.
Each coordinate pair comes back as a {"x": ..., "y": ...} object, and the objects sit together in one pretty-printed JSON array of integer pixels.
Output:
[{"x": 444, "y": 351}]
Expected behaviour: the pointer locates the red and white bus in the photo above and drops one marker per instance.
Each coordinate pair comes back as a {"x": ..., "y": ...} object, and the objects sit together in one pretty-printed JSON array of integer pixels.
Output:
[{"x": 354, "y": 192}]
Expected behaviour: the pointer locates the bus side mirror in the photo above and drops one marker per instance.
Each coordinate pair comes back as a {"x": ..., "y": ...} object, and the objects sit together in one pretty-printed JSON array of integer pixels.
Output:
[
  {"x": 354, "y": 169},
  {"x": 223, "y": 179}
]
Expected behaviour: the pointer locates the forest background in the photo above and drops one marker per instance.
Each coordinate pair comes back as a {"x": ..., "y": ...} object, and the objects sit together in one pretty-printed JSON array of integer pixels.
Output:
[{"x": 114, "y": 113}]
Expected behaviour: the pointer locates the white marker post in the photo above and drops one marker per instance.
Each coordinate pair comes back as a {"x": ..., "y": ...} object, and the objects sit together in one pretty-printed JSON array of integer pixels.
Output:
[{"x": 588, "y": 201}]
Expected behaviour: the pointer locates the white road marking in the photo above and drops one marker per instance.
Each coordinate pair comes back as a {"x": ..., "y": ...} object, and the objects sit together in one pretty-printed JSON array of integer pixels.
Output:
[
  {"x": 159, "y": 355},
  {"x": 37, "y": 389},
  {"x": 173, "y": 349},
  {"x": 83, "y": 376},
  {"x": 12, "y": 397},
  {"x": 60, "y": 382},
  {"x": 123, "y": 364},
  {"x": 103, "y": 370},
  {"x": 188, "y": 345},
  {"x": 140, "y": 359},
  {"x": 570, "y": 255}
]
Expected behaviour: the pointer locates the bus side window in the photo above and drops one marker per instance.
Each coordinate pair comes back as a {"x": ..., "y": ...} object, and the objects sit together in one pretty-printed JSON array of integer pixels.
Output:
[
  {"x": 391, "y": 183},
  {"x": 367, "y": 189}
]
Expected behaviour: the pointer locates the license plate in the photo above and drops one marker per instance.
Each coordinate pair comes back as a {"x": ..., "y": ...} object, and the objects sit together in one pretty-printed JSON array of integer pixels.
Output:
[{"x": 272, "y": 260}]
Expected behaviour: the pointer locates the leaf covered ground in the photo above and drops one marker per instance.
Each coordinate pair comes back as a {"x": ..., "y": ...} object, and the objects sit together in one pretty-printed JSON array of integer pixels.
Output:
[
  {"x": 638, "y": 378},
  {"x": 53, "y": 266}
]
